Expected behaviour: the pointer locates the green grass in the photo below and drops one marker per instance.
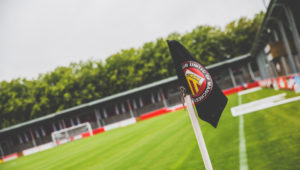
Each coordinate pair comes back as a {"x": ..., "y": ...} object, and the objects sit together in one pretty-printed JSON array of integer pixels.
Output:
[
  {"x": 168, "y": 142},
  {"x": 273, "y": 135}
]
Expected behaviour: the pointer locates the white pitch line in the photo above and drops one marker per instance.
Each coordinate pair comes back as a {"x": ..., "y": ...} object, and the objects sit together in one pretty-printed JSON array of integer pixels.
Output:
[
  {"x": 243, "y": 153},
  {"x": 241, "y": 108},
  {"x": 249, "y": 91},
  {"x": 261, "y": 106}
]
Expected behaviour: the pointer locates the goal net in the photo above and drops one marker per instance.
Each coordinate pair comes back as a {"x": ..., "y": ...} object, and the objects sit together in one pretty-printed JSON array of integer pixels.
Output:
[{"x": 72, "y": 133}]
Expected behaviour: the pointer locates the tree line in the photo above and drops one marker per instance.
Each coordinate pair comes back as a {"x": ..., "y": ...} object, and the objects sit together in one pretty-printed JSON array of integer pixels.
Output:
[{"x": 22, "y": 100}]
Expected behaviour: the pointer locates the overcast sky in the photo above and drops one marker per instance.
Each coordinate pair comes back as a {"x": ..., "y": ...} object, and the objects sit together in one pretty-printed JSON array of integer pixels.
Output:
[{"x": 36, "y": 36}]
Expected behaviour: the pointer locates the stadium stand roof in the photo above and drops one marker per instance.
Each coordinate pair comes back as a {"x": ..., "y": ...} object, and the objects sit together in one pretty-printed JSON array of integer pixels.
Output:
[
  {"x": 269, "y": 22},
  {"x": 118, "y": 95},
  {"x": 263, "y": 31},
  {"x": 229, "y": 61}
]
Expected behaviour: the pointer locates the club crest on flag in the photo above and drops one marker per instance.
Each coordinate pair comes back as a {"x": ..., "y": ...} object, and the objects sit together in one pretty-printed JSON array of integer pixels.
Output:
[
  {"x": 198, "y": 79},
  {"x": 208, "y": 98}
]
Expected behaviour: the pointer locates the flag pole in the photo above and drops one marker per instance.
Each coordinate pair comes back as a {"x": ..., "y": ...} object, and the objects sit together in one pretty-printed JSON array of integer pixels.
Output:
[{"x": 198, "y": 132}]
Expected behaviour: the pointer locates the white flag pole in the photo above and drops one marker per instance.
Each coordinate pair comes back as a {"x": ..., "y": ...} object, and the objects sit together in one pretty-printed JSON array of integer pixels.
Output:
[{"x": 198, "y": 132}]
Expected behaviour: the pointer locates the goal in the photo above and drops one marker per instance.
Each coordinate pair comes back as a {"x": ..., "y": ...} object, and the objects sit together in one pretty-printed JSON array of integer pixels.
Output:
[{"x": 72, "y": 133}]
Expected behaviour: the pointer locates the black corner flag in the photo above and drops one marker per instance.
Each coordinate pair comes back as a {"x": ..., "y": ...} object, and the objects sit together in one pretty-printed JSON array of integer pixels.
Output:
[{"x": 207, "y": 96}]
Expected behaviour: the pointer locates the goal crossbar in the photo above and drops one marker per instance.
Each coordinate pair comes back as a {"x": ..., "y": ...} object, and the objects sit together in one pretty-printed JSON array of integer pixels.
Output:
[{"x": 70, "y": 133}]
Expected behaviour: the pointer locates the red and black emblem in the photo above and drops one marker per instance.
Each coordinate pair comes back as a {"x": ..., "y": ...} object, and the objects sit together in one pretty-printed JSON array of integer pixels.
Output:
[{"x": 198, "y": 79}]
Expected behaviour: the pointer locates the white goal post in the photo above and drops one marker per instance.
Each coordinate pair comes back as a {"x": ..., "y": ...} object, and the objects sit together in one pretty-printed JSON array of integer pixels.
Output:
[{"x": 72, "y": 133}]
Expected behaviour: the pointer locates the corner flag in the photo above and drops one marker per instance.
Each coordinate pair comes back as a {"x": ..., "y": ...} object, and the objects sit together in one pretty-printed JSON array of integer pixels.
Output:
[{"x": 207, "y": 96}]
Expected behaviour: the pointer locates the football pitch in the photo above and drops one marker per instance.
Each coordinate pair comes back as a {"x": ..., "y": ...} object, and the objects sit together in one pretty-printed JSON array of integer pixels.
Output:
[{"x": 167, "y": 142}]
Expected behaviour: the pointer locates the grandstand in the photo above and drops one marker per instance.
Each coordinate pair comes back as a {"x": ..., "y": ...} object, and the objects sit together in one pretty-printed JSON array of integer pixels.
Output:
[
  {"x": 120, "y": 109},
  {"x": 277, "y": 44}
]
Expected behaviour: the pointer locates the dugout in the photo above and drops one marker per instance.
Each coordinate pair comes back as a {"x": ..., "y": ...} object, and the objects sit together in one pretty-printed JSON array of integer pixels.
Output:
[{"x": 277, "y": 44}]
